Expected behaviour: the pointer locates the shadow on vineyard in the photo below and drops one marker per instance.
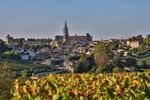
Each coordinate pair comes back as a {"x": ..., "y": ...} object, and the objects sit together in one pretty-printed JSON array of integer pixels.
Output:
[{"x": 124, "y": 86}]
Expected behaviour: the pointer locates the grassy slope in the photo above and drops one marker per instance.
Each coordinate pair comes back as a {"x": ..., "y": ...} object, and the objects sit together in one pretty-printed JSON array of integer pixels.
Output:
[{"x": 16, "y": 65}]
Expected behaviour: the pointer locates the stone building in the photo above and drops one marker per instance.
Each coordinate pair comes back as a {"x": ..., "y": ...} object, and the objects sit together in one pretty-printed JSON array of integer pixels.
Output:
[
  {"x": 134, "y": 42},
  {"x": 67, "y": 38},
  {"x": 9, "y": 39}
]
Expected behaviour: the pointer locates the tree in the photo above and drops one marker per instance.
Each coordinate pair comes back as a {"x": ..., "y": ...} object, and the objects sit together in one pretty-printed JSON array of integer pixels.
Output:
[
  {"x": 114, "y": 45},
  {"x": 3, "y": 46},
  {"x": 81, "y": 67},
  {"x": 93, "y": 69},
  {"x": 11, "y": 55},
  {"x": 142, "y": 49},
  {"x": 118, "y": 63},
  {"x": 6, "y": 81},
  {"x": 19, "y": 41},
  {"x": 131, "y": 62},
  {"x": 139, "y": 37},
  {"x": 147, "y": 40},
  {"x": 101, "y": 54},
  {"x": 82, "y": 64},
  {"x": 144, "y": 64}
]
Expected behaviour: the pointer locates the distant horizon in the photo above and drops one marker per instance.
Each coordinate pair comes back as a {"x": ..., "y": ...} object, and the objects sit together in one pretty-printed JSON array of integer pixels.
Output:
[
  {"x": 73, "y": 35},
  {"x": 101, "y": 18}
]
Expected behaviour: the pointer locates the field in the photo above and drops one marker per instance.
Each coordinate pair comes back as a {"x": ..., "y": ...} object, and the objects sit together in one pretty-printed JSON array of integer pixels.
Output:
[
  {"x": 22, "y": 65},
  {"x": 119, "y": 86}
]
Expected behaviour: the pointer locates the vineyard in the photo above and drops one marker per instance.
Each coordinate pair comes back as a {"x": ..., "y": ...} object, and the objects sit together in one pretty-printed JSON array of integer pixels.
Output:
[{"x": 119, "y": 86}]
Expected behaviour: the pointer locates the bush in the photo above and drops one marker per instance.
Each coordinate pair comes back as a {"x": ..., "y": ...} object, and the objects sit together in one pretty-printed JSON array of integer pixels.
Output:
[
  {"x": 99, "y": 70},
  {"x": 24, "y": 73},
  {"x": 108, "y": 68},
  {"x": 93, "y": 69},
  {"x": 117, "y": 69}
]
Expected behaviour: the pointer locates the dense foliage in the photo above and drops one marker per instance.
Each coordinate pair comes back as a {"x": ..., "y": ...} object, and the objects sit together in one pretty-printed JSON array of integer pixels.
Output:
[
  {"x": 101, "y": 54},
  {"x": 6, "y": 81},
  {"x": 11, "y": 55},
  {"x": 3, "y": 46},
  {"x": 125, "y": 86}
]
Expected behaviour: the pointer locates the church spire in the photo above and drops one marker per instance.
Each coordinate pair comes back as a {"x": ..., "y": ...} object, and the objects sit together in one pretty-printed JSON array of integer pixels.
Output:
[
  {"x": 65, "y": 24},
  {"x": 65, "y": 32}
]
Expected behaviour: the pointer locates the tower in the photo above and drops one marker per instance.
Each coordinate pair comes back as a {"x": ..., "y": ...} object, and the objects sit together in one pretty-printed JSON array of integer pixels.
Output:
[
  {"x": 9, "y": 40},
  {"x": 65, "y": 32}
]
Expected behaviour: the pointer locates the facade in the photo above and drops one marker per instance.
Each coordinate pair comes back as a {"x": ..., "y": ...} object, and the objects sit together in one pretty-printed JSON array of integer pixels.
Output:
[
  {"x": 133, "y": 43},
  {"x": 33, "y": 42},
  {"x": 67, "y": 38},
  {"x": 25, "y": 56}
]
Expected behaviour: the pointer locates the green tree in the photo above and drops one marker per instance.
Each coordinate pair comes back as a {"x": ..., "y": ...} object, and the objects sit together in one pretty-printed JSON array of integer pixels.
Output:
[
  {"x": 3, "y": 46},
  {"x": 131, "y": 62},
  {"x": 82, "y": 64},
  {"x": 118, "y": 63},
  {"x": 114, "y": 45},
  {"x": 144, "y": 64},
  {"x": 19, "y": 41},
  {"x": 101, "y": 54},
  {"x": 147, "y": 40},
  {"x": 142, "y": 48},
  {"x": 139, "y": 37},
  {"x": 11, "y": 55}
]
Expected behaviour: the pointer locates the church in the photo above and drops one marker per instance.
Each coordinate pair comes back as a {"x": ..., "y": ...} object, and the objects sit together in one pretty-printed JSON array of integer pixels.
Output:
[{"x": 66, "y": 37}]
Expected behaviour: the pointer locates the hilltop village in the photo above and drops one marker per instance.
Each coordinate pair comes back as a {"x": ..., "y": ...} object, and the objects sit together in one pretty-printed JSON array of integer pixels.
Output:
[{"x": 73, "y": 53}]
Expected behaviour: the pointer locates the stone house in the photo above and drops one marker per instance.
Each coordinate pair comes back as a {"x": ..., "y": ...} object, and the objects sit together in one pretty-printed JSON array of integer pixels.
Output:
[{"x": 134, "y": 42}]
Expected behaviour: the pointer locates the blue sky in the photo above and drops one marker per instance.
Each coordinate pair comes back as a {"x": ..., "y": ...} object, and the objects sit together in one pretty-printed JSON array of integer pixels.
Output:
[{"x": 100, "y": 18}]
